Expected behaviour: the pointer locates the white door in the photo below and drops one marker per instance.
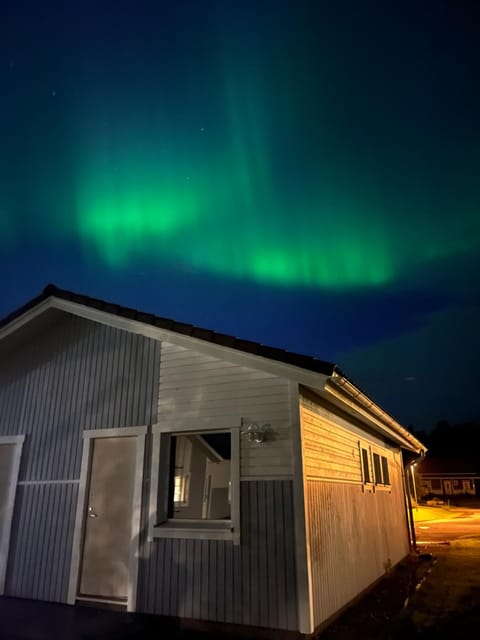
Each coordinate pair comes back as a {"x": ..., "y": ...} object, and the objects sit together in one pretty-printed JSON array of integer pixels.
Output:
[
  {"x": 10, "y": 451},
  {"x": 107, "y": 544}
]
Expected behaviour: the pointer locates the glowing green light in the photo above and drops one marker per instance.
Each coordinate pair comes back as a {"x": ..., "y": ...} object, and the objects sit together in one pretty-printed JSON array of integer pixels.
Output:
[{"x": 221, "y": 202}]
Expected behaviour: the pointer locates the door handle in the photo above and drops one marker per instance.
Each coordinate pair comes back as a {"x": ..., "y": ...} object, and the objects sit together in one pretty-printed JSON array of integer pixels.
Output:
[{"x": 91, "y": 513}]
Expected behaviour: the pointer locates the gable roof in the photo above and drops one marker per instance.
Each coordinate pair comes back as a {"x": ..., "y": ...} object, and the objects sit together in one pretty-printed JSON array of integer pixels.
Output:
[
  {"x": 256, "y": 348},
  {"x": 324, "y": 378}
]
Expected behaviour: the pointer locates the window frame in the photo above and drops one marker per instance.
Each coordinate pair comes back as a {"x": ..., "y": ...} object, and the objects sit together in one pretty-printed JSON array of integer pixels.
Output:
[
  {"x": 380, "y": 480},
  {"x": 160, "y": 525},
  {"x": 373, "y": 478},
  {"x": 385, "y": 467},
  {"x": 367, "y": 480}
]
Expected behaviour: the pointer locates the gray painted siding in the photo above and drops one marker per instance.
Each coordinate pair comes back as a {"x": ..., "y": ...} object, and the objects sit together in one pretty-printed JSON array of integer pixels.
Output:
[
  {"x": 79, "y": 375},
  {"x": 252, "y": 584},
  {"x": 82, "y": 375},
  {"x": 42, "y": 534}
]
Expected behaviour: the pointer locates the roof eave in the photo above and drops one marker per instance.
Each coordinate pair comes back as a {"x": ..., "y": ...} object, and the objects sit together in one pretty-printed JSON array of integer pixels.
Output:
[
  {"x": 338, "y": 386},
  {"x": 148, "y": 329}
]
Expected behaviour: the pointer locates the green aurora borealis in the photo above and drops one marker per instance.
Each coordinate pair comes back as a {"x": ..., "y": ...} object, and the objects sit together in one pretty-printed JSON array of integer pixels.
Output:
[
  {"x": 321, "y": 159},
  {"x": 247, "y": 157}
]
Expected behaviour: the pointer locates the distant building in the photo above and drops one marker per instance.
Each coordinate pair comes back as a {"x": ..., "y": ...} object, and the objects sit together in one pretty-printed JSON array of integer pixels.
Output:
[
  {"x": 172, "y": 470},
  {"x": 441, "y": 476}
]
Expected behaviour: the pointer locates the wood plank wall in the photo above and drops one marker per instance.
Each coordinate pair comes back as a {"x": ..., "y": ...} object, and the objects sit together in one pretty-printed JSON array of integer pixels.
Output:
[{"x": 355, "y": 533}]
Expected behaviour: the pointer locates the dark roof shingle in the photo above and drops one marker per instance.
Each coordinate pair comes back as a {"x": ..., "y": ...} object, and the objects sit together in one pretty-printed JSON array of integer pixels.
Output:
[{"x": 273, "y": 353}]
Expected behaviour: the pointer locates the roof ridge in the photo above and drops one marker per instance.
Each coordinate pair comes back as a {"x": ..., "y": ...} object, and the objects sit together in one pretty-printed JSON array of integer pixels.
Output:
[{"x": 300, "y": 360}]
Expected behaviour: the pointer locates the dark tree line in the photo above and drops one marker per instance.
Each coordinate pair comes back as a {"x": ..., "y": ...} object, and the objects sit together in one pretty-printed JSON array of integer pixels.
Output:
[{"x": 453, "y": 441}]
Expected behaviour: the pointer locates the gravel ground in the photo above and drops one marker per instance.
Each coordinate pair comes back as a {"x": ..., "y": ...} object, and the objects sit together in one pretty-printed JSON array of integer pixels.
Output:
[
  {"x": 377, "y": 615},
  {"x": 430, "y": 595}
]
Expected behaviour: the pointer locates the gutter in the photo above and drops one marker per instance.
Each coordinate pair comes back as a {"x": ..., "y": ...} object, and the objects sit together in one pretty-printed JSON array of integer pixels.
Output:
[
  {"x": 338, "y": 383},
  {"x": 408, "y": 494}
]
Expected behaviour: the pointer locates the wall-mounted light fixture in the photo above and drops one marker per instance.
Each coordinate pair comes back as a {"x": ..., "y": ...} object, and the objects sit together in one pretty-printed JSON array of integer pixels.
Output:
[{"x": 256, "y": 432}]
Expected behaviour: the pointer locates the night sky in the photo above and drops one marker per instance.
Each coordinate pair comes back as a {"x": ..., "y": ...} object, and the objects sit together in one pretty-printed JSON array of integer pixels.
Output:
[{"x": 303, "y": 174}]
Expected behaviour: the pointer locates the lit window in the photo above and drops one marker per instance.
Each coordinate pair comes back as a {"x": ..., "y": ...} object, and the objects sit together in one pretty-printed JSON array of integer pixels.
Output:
[
  {"x": 200, "y": 476},
  {"x": 196, "y": 485}
]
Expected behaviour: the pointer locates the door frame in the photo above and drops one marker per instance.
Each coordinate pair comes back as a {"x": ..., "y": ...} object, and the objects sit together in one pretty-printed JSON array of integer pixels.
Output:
[
  {"x": 82, "y": 500},
  {"x": 17, "y": 441}
]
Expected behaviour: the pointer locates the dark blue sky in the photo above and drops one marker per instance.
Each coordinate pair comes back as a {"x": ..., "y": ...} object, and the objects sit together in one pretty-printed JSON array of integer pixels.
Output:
[{"x": 304, "y": 174}]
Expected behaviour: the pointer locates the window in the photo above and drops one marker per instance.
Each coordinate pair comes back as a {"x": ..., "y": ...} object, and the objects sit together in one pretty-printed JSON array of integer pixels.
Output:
[
  {"x": 436, "y": 485},
  {"x": 385, "y": 473},
  {"x": 380, "y": 467},
  {"x": 200, "y": 477},
  {"x": 195, "y": 484},
  {"x": 366, "y": 466},
  {"x": 377, "y": 469}
]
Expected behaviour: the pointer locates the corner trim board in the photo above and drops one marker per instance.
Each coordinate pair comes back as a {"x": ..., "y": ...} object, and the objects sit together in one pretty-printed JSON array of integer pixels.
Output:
[
  {"x": 17, "y": 441},
  {"x": 302, "y": 556}
]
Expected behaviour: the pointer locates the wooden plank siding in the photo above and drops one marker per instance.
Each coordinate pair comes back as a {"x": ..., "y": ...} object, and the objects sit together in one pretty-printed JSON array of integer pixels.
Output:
[
  {"x": 355, "y": 532},
  {"x": 251, "y": 584},
  {"x": 194, "y": 385},
  {"x": 78, "y": 375}
]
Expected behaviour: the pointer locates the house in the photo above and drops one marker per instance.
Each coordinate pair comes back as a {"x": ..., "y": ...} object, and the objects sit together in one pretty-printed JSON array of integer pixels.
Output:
[
  {"x": 167, "y": 469},
  {"x": 441, "y": 476}
]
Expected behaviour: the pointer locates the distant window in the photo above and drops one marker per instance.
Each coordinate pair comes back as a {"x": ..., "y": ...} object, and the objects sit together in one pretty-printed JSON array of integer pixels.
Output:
[
  {"x": 456, "y": 483},
  {"x": 366, "y": 466}
]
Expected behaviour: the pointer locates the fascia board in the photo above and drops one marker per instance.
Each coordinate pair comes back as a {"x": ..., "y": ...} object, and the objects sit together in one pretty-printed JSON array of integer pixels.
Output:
[
  {"x": 280, "y": 369},
  {"x": 25, "y": 318},
  {"x": 361, "y": 412}
]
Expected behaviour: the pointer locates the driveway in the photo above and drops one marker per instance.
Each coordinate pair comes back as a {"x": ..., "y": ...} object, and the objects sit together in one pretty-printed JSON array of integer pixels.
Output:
[
  {"x": 447, "y": 601},
  {"x": 460, "y": 524}
]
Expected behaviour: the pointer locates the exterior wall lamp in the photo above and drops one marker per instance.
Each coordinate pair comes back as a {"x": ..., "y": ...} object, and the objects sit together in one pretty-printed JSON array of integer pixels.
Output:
[{"x": 256, "y": 432}]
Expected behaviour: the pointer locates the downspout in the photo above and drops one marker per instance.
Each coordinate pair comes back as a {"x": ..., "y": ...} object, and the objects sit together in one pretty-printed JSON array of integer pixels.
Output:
[{"x": 409, "y": 508}]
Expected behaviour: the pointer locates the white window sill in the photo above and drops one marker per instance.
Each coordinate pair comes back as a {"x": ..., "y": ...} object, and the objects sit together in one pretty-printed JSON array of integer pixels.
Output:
[
  {"x": 370, "y": 487},
  {"x": 383, "y": 487},
  {"x": 198, "y": 529}
]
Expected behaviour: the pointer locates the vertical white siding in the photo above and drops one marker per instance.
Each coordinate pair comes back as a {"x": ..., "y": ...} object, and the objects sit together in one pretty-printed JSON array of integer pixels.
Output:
[
  {"x": 354, "y": 533},
  {"x": 195, "y": 385},
  {"x": 78, "y": 375}
]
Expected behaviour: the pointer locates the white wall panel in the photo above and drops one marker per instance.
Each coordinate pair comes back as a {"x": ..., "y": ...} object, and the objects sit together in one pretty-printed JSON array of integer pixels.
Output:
[{"x": 195, "y": 385}]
